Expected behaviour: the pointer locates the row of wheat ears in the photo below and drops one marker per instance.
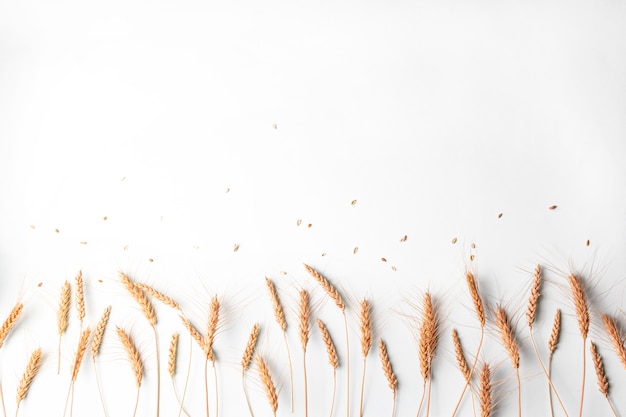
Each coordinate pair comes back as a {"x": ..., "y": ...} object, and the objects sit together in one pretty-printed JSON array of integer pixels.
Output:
[{"x": 428, "y": 338}]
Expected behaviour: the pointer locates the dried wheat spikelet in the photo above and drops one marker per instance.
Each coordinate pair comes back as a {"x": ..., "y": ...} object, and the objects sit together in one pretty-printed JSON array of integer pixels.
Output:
[
  {"x": 133, "y": 355},
  {"x": 304, "y": 317},
  {"x": 80, "y": 297},
  {"x": 508, "y": 338},
  {"x": 248, "y": 353},
  {"x": 98, "y": 334},
  {"x": 327, "y": 287},
  {"x": 64, "y": 308},
  {"x": 603, "y": 381},
  {"x": 195, "y": 334},
  {"x": 486, "y": 402},
  {"x": 168, "y": 301},
  {"x": 555, "y": 333},
  {"x": 387, "y": 368},
  {"x": 331, "y": 351},
  {"x": 268, "y": 384},
  {"x": 140, "y": 298},
  {"x": 171, "y": 358},
  {"x": 214, "y": 318},
  {"x": 429, "y": 336},
  {"x": 366, "y": 327},
  {"x": 534, "y": 297},
  {"x": 80, "y": 352},
  {"x": 279, "y": 314},
  {"x": 616, "y": 336},
  {"x": 460, "y": 356},
  {"x": 580, "y": 301},
  {"x": 27, "y": 379},
  {"x": 9, "y": 323},
  {"x": 478, "y": 302}
]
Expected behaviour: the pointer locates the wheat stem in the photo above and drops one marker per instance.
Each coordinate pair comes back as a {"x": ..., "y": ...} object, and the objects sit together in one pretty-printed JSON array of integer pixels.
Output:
[
  {"x": 4, "y": 411},
  {"x": 546, "y": 373},
  {"x": 186, "y": 377},
  {"x": 158, "y": 363},
  {"x": 136, "y": 402},
  {"x": 97, "y": 377},
  {"x": 180, "y": 403},
  {"x": 345, "y": 324},
  {"x": 582, "y": 390},
  {"x": 206, "y": 387},
  {"x": 362, "y": 386},
  {"x": 332, "y": 402},
  {"x": 419, "y": 407}
]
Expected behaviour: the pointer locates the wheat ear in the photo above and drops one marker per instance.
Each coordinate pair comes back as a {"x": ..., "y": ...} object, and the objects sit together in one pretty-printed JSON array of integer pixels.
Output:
[
  {"x": 10, "y": 321},
  {"x": 333, "y": 359},
  {"x": 168, "y": 301},
  {"x": 510, "y": 343},
  {"x": 366, "y": 342},
  {"x": 304, "y": 318},
  {"x": 279, "y": 315},
  {"x": 428, "y": 340},
  {"x": 462, "y": 364},
  {"x": 603, "y": 381},
  {"x": 388, "y": 371},
  {"x": 134, "y": 359},
  {"x": 552, "y": 345},
  {"x": 63, "y": 317},
  {"x": 80, "y": 298},
  {"x": 534, "y": 297},
  {"x": 334, "y": 295},
  {"x": 480, "y": 314},
  {"x": 96, "y": 343},
  {"x": 78, "y": 359},
  {"x": 268, "y": 384},
  {"x": 246, "y": 360},
  {"x": 27, "y": 379},
  {"x": 486, "y": 401},
  {"x": 617, "y": 337},
  {"x": 172, "y": 354},
  {"x": 212, "y": 325},
  {"x": 582, "y": 314}
]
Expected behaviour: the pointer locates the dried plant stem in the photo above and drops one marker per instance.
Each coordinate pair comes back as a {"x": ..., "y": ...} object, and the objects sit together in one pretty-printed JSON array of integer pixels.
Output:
[
  {"x": 78, "y": 359},
  {"x": 97, "y": 377},
  {"x": 245, "y": 391},
  {"x": 306, "y": 389},
  {"x": 206, "y": 386},
  {"x": 180, "y": 402},
  {"x": 546, "y": 373},
  {"x": 362, "y": 386},
  {"x": 246, "y": 360},
  {"x": 180, "y": 411},
  {"x": 4, "y": 411},
  {"x": 304, "y": 318},
  {"x": 290, "y": 368},
  {"x": 333, "y": 359},
  {"x": 419, "y": 407},
  {"x": 603, "y": 381},
  {"x": 345, "y": 325},
  {"x": 332, "y": 402},
  {"x": 158, "y": 363},
  {"x": 216, "y": 393},
  {"x": 552, "y": 345},
  {"x": 136, "y": 402},
  {"x": 366, "y": 344},
  {"x": 582, "y": 390},
  {"x": 510, "y": 343},
  {"x": 579, "y": 297}
]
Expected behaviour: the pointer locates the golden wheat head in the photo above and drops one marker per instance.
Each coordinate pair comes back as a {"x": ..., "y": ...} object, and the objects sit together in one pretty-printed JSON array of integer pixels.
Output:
[
  {"x": 333, "y": 359},
  {"x": 248, "y": 353},
  {"x": 279, "y": 313},
  {"x": 212, "y": 324},
  {"x": 64, "y": 307},
  {"x": 133, "y": 355},
  {"x": 98, "y": 334},
  {"x": 268, "y": 383},
  {"x": 366, "y": 327},
  {"x": 168, "y": 301},
  {"x": 616, "y": 336},
  {"x": 304, "y": 317},
  {"x": 9, "y": 323},
  {"x": 80, "y": 296},
  {"x": 475, "y": 295},
  {"x": 531, "y": 311},
  {"x": 508, "y": 338},
  {"x": 171, "y": 357},
  {"x": 460, "y": 356},
  {"x": 387, "y": 368},
  {"x": 327, "y": 287},
  {"x": 580, "y": 301},
  {"x": 80, "y": 352},
  {"x": 27, "y": 379}
]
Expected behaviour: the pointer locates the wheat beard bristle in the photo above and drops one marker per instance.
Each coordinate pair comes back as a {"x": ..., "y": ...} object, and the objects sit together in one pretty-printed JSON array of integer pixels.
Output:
[
  {"x": 31, "y": 370},
  {"x": 140, "y": 298},
  {"x": 486, "y": 406},
  {"x": 616, "y": 336},
  {"x": 508, "y": 339},
  {"x": 80, "y": 297},
  {"x": 64, "y": 308},
  {"x": 580, "y": 301},
  {"x": 133, "y": 355},
  {"x": 279, "y": 314},
  {"x": 534, "y": 297},
  {"x": 603, "y": 382},
  {"x": 214, "y": 317},
  {"x": 98, "y": 334},
  {"x": 333, "y": 359},
  {"x": 556, "y": 332},
  {"x": 171, "y": 362},
  {"x": 429, "y": 337},
  {"x": 9, "y": 323},
  {"x": 460, "y": 357},
  {"x": 80, "y": 352},
  {"x": 327, "y": 287},
  {"x": 248, "y": 353},
  {"x": 304, "y": 319},
  {"x": 387, "y": 368},
  {"x": 478, "y": 303},
  {"x": 366, "y": 328},
  {"x": 268, "y": 384},
  {"x": 168, "y": 301}
]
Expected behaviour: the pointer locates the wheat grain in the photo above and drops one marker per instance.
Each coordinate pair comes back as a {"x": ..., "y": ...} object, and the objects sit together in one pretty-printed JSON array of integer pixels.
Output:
[
  {"x": 80, "y": 352},
  {"x": 133, "y": 355},
  {"x": 279, "y": 314},
  {"x": 171, "y": 361},
  {"x": 98, "y": 334},
  {"x": 80, "y": 297},
  {"x": 603, "y": 381},
  {"x": 27, "y": 379},
  {"x": 268, "y": 383},
  {"x": 327, "y": 287},
  {"x": 10, "y": 321},
  {"x": 387, "y": 368},
  {"x": 140, "y": 298},
  {"x": 168, "y": 301},
  {"x": 486, "y": 402},
  {"x": 248, "y": 353},
  {"x": 508, "y": 338},
  {"x": 331, "y": 351},
  {"x": 534, "y": 297},
  {"x": 460, "y": 357},
  {"x": 616, "y": 336}
]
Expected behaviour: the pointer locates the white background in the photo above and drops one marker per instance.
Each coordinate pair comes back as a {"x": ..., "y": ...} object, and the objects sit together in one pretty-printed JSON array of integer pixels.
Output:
[{"x": 434, "y": 116}]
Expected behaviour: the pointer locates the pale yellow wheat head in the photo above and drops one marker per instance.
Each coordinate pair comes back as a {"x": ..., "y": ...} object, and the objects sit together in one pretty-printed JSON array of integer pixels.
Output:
[
  {"x": 248, "y": 353},
  {"x": 27, "y": 379},
  {"x": 133, "y": 355},
  {"x": 327, "y": 287},
  {"x": 333, "y": 359},
  {"x": 10, "y": 321},
  {"x": 98, "y": 334}
]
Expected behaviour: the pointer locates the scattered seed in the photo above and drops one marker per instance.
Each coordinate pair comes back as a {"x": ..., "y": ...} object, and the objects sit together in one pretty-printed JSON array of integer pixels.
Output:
[
  {"x": 453, "y": 240},
  {"x": 383, "y": 259},
  {"x": 324, "y": 254},
  {"x": 196, "y": 247},
  {"x": 552, "y": 207},
  {"x": 587, "y": 242},
  {"x": 40, "y": 284},
  {"x": 32, "y": 226},
  {"x": 126, "y": 247},
  {"x": 353, "y": 202},
  {"x": 393, "y": 268},
  {"x": 123, "y": 178},
  {"x": 227, "y": 190},
  {"x": 472, "y": 258},
  {"x": 150, "y": 260},
  {"x": 356, "y": 249},
  {"x": 236, "y": 247},
  {"x": 56, "y": 230},
  {"x": 105, "y": 218},
  {"x": 403, "y": 238},
  {"x": 83, "y": 242},
  {"x": 100, "y": 281},
  {"x": 283, "y": 272},
  {"x": 309, "y": 225},
  {"x": 500, "y": 215},
  {"x": 275, "y": 126},
  {"x": 299, "y": 222},
  {"x": 473, "y": 246}
]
